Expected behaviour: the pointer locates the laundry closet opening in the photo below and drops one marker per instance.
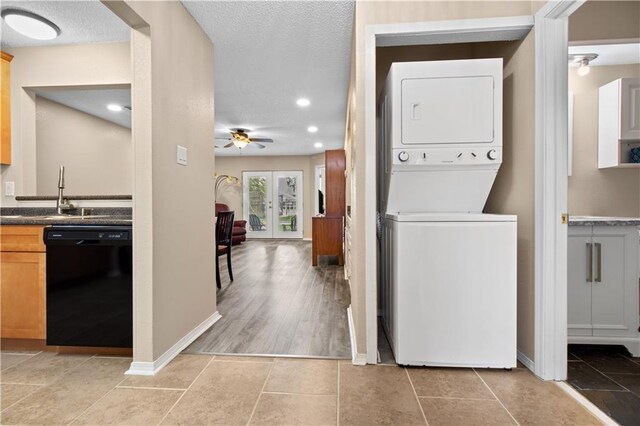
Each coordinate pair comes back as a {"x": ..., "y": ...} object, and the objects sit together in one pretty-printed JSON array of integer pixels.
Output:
[{"x": 507, "y": 200}]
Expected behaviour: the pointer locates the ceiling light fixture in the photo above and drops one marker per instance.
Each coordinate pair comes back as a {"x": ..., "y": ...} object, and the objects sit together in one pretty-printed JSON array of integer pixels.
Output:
[
  {"x": 114, "y": 107},
  {"x": 30, "y": 25},
  {"x": 583, "y": 60},
  {"x": 312, "y": 129},
  {"x": 318, "y": 144},
  {"x": 240, "y": 144},
  {"x": 303, "y": 102}
]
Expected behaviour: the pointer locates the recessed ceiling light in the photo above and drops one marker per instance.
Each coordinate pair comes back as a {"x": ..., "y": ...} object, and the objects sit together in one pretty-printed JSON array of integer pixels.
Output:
[
  {"x": 303, "y": 102},
  {"x": 114, "y": 107},
  {"x": 30, "y": 25},
  {"x": 312, "y": 129},
  {"x": 318, "y": 144}
]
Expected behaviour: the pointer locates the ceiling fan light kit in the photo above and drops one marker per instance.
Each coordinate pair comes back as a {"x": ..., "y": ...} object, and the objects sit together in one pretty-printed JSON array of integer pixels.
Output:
[{"x": 240, "y": 139}]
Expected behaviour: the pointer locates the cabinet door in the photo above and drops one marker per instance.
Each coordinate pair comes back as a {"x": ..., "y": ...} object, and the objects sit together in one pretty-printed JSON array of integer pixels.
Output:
[
  {"x": 579, "y": 247},
  {"x": 615, "y": 288},
  {"x": 22, "y": 298},
  {"x": 630, "y": 109}
]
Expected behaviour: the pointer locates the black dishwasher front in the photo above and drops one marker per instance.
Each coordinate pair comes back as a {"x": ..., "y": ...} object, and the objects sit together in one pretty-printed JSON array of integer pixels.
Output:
[{"x": 89, "y": 286}]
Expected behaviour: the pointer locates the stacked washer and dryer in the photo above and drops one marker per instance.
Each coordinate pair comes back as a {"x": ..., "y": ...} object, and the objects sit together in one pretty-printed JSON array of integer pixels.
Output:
[{"x": 448, "y": 271}]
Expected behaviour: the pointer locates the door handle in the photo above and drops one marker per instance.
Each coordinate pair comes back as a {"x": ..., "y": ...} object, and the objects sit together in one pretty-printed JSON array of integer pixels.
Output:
[
  {"x": 598, "y": 262},
  {"x": 589, "y": 262}
]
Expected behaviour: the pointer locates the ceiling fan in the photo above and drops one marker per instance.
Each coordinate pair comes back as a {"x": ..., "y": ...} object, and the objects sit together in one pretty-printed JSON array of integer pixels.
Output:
[{"x": 240, "y": 138}]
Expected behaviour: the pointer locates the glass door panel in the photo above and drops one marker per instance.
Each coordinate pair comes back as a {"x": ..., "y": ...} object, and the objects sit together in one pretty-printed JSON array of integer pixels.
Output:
[
  {"x": 257, "y": 202},
  {"x": 287, "y": 202}
]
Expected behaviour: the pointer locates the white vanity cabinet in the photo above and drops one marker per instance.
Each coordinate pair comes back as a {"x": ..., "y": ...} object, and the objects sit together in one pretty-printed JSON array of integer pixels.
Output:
[
  {"x": 618, "y": 122},
  {"x": 603, "y": 272}
]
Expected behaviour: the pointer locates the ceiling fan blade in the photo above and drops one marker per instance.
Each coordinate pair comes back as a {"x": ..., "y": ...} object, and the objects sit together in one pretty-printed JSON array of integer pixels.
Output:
[
  {"x": 229, "y": 145},
  {"x": 263, "y": 140},
  {"x": 259, "y": 145}
]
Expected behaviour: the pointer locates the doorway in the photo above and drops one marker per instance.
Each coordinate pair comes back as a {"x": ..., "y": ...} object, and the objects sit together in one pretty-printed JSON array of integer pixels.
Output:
[{"x": 272, "y": 204}]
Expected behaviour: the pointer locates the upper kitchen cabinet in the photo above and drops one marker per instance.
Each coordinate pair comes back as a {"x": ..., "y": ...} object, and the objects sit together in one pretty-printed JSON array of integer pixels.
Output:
[
  {"x": 618, "y": 122},
  {"x": 5, "y": 108}
]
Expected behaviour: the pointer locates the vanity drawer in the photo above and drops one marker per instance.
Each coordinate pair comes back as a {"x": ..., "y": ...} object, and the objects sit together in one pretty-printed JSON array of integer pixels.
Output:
[{"x": 21, "y": 238}]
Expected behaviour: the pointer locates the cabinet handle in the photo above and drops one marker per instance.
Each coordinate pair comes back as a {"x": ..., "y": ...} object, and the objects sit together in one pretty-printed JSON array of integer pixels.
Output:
[
  {"x": 598, "y": 262},
  {"x": 589, "y": 262}
]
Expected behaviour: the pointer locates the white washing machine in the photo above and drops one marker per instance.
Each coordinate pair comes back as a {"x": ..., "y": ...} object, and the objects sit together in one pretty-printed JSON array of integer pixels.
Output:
[
  {"x": 448, "y": 277},
  {"x": 451, "y": 298}
]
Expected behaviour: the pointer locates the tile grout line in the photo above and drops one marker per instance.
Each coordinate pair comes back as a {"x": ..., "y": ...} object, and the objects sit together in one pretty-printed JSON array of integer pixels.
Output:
[
  {"x": 150, "y": 388},
  {"x": 496, "y": 397},
  {"x": 298, "y": 393},
  {"x": 416, "y": 395},
  {"x": 24, "y": 397},
  {"x": 264, "y": 385},
  {"x": 185, "y": 391},
  {"x": 338, "y": 397},
  {"x": 98, "y": 400}
]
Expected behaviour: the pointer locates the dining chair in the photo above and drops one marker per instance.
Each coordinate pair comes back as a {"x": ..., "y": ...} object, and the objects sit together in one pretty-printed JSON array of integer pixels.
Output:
[{"x": 224, "y": 231}]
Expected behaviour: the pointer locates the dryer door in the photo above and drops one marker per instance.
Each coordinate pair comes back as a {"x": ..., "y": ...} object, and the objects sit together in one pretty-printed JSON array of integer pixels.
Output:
[{"x": 449, "y": 110}]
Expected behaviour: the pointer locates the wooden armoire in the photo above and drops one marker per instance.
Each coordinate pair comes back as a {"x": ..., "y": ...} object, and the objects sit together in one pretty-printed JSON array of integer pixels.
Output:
[{"x": 328, "y": 230}]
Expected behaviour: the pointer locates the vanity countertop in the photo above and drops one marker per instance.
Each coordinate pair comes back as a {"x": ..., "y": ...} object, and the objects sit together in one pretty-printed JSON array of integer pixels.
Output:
[{"x": 603, "y": 221}]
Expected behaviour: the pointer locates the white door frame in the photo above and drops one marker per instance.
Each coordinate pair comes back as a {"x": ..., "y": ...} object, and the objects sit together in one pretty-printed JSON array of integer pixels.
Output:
[
  {"x": 416, "y": 33},
  {"x": 551, "y": 184}
]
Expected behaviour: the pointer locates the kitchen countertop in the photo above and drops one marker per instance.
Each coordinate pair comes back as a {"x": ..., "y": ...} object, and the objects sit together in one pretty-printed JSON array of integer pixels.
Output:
[
  {"x": 72, "y": 197},
  {"x": 48, "y": 216},
  {"x": 603, "y": 221}
]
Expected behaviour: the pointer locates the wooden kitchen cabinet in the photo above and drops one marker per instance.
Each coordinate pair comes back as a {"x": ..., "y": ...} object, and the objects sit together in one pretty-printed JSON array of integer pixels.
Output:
[
  {"x": 22, "y": 283},
  {"x": 603, "y": 272},
  {"x": 5, "y": 108}
]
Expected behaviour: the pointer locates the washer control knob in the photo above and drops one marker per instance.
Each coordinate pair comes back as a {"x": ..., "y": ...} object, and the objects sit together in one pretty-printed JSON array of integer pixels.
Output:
[
  {"x": 492, "y": 154},
  {"x": 403, "y": 156}
]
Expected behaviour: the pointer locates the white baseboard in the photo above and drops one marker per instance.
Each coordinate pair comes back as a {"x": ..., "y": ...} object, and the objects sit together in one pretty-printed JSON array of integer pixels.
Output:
[
  {"x": 593, "y": 409},
  {"x": 139, "y": 368},
  {"x": 356, "y": 358},
  {"x": 306, "y": 239},
  {"x": 526, "y": 361}
]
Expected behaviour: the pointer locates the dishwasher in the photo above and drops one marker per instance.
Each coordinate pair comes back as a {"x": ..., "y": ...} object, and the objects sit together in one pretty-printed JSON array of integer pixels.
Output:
[{"x": 89, "y": 286}]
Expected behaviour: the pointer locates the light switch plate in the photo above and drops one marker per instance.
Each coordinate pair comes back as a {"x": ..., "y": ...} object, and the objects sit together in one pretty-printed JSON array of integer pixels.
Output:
[
  {"x": 9, "y": 189},
  {"x": 182, "y": 155}
]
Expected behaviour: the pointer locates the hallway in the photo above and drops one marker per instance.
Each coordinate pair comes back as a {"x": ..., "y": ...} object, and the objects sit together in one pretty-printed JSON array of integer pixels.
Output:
[{"x": 278, "y": 304}]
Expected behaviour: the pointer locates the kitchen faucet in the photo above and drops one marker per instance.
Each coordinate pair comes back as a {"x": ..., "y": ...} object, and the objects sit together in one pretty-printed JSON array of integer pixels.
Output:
[{"x": 63, "y": 206}]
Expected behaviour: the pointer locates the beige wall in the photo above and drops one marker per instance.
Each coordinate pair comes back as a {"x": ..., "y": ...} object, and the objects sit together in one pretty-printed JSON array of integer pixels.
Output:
[
  {"x": 172, "y": 88},
  {"x": 97, "y": 154},
  {"x": 605, "y": 20},
  {"x": 234, "y": 166},
  {"x": 106, "y": 65},
  {"x": 367, "y": 13},
  {"x": 593, "y": 191}
]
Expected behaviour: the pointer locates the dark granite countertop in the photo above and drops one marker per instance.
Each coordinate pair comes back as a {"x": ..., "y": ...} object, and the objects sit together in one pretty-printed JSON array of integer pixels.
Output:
[
  {"x": 72, "y": 197},
  {"x": 603, "y": 221},
  {"x": 48, "y": 216}
]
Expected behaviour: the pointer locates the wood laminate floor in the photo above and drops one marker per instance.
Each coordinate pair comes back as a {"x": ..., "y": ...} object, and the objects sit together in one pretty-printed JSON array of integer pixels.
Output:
[{"x": 278, "y": 304}]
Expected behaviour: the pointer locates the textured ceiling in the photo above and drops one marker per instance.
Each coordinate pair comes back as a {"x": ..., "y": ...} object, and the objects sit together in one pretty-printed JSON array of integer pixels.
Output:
[
  {"x": 270, "y": 53},
  {"x": 79, "y": 21},
  {"x": 94, "y": 102}
]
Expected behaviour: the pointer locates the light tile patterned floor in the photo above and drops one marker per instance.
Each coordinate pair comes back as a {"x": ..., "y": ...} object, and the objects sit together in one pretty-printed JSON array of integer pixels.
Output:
[{"x": 46, "y": 388}]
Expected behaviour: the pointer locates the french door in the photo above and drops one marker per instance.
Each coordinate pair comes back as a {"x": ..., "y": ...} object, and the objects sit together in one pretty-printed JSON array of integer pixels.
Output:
[{"x": 272, "y": 204}]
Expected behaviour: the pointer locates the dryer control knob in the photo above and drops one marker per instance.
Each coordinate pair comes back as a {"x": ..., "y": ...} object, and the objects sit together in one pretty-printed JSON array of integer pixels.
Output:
[
  {"x": 403, "y": 156},
  {"x": 492, "y": 155}
]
